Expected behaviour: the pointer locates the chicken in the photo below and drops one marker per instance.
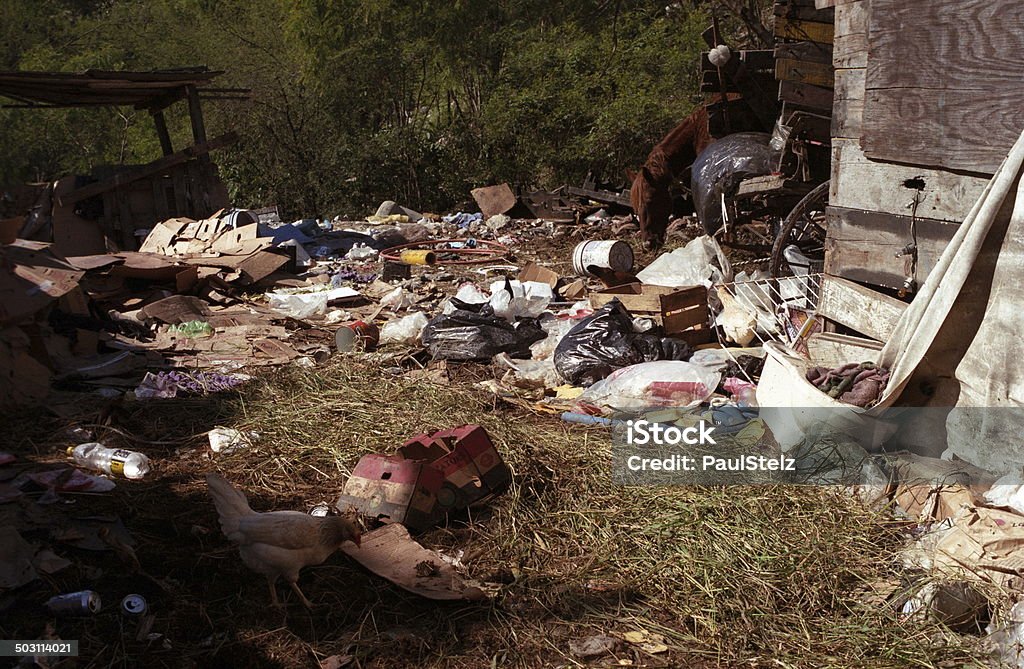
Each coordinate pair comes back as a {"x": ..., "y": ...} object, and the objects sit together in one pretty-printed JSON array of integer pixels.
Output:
[{"x": 279, "y": 543}]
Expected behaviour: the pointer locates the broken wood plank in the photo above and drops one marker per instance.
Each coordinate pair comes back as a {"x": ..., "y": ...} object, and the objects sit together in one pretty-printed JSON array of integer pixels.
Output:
[
  {"x": 866, "y": 311},
  {"x": 834, "y": 350},
  {"x": 862, "y": 246}
]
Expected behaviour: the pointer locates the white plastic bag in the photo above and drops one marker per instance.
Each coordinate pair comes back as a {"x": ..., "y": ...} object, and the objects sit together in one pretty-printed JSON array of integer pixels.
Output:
[
  {"x": 405, "y": 330},
  {"x": 304, "y": 303},
  {"x": 556, "y": 329},
  {"x": 300, "y": 306},
  {"x": 398, "y": 299},
  {"x": 699, "y": 263},
  {"x": 529, "y": 373},
  {"x": 527, "y": 299},
  {"x": 470, "y": 294},
  {"x": 664, "y": 383}
]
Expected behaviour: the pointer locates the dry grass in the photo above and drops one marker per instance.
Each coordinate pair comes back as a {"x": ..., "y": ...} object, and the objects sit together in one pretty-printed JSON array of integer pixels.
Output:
[{"x": 735, "y": 577}]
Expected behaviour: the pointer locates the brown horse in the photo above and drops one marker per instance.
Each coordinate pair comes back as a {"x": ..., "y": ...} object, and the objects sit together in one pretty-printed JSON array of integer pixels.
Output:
[{"x": 649, "y": 194}]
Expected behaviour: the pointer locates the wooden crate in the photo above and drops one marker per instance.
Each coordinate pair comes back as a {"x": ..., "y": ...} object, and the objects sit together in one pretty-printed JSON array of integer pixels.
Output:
[{"x": 682, "y": 312}]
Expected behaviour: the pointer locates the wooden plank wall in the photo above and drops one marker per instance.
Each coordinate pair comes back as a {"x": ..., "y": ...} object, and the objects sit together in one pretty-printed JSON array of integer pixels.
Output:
[
  {"x": 877, "y": 208},
  {"x": 944, "y": 82}
]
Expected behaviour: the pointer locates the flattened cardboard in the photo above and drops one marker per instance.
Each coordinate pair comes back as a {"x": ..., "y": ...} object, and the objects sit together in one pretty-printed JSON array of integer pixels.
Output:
[
  {"x": 30, "y": 278},
  {"x": 389, "y": 552}
]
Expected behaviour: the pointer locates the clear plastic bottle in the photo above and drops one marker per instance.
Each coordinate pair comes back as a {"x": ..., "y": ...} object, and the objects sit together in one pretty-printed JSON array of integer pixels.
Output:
[{"x": 114, "y": 461}]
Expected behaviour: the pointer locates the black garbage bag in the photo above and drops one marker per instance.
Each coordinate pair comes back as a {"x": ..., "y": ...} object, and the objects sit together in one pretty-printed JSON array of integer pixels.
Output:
[
  {"x": 473, "y": 332},
  {"x": 721, "y": 167},
  {"x": 605, "y": 341}
]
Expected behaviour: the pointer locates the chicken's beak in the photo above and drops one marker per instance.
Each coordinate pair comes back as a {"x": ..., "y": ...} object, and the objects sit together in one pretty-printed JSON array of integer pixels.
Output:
[{"x": 356, "y": 540}]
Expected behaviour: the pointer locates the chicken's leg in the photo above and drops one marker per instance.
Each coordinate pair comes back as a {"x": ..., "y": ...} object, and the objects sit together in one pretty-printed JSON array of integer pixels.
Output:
[
  {"x": 305, "y": 602},
  {"x": 271, "y": 582}
]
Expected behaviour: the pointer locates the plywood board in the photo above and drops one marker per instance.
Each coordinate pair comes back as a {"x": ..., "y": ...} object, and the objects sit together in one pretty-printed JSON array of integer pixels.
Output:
[
  {"x": 945, "y": 84},
  {"x": 866, "y": 311},
  {"x": 861, "y": 183}
]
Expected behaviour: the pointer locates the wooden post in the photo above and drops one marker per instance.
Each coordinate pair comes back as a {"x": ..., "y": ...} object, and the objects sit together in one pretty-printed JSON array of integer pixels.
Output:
[
  {"x": 195, "y": 114},
  {"x": 201, "y": 177},
  {"x": 161, "y": 130}
]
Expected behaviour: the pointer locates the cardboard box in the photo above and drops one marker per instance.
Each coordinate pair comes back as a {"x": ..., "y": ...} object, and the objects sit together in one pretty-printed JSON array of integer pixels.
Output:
[
  {"x": 534, "y": 272},
  {"x": 468, "y": 461},
  {"x": 682, "y": 312},
  {"x": 394, "y": 490}
]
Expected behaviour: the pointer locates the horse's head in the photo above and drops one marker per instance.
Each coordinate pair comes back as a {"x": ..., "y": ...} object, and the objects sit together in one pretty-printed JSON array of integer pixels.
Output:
[{"x": 652, "y": 205}]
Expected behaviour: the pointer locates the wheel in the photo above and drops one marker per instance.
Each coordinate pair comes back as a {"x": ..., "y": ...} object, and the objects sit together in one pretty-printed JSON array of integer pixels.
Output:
[{"x": 804, "y": 228}]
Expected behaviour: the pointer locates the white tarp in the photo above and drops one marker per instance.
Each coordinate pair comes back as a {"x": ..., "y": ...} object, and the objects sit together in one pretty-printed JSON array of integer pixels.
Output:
[
  {"x": 959, "y": 344},
  {"x": 962, "y": 334}
]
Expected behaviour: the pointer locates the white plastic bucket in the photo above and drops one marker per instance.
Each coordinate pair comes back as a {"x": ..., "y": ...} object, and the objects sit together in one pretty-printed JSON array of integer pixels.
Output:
[{"x": 613, "y": 254}]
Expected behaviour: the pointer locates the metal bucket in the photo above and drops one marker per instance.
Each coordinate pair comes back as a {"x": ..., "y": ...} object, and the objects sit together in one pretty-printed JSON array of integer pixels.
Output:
[{"x": 613, "y": 254}]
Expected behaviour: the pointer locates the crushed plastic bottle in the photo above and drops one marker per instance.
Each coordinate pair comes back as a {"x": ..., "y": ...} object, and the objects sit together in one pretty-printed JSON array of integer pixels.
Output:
[{"x": 113, "y": 461}]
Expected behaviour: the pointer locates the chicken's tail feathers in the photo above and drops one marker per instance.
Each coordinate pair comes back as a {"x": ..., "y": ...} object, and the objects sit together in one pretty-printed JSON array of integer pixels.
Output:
[{"x": 230, "y": 501}]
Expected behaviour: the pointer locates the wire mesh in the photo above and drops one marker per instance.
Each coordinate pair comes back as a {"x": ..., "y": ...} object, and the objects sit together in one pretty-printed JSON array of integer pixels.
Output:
[{"x": 777, "y": 309}]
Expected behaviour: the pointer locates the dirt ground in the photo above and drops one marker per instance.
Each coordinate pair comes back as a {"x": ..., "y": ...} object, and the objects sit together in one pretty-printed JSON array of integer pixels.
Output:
[{"x": 723, "y": 577}]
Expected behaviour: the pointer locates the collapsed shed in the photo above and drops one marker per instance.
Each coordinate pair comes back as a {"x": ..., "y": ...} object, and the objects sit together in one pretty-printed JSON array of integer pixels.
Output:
[{"x": 102, "y": 212}]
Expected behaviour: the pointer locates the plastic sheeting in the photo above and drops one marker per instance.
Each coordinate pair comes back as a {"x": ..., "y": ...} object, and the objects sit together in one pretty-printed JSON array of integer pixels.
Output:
[{"x": 721, "y": 167}]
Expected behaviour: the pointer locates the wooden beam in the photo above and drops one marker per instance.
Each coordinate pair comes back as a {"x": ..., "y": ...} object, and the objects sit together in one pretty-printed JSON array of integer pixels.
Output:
[
  {"x": 804, "y": 72},
  {"x": 804, "y": 30},
  {"x": 848, "y": 111},
  {"x": 806, "y": 51},
  {"x": 864, "y": 310},
  {"x": 195, "y": 114},
  {"x": 863, "y": 246},
  {"x": 850, "y": 42},
  {"x": 148, "y": 170},
  {"x": 806, "y": 95},
  {"x": 161, "y": 130},
  {"x": 835, "y": 350}
]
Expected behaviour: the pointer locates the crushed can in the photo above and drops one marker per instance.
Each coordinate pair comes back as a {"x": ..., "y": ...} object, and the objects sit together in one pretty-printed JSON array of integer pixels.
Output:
[{"x": 81, "y": 603}]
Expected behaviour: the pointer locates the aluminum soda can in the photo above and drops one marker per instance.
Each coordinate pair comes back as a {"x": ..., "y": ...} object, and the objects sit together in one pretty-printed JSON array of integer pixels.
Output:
[
  {"x": 81, "y": 603},
  {"x": 134, "y": 605}
]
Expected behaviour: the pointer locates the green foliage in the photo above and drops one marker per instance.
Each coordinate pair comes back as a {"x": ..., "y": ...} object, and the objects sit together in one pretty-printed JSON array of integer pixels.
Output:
[{"x": 355, "y": 101}]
